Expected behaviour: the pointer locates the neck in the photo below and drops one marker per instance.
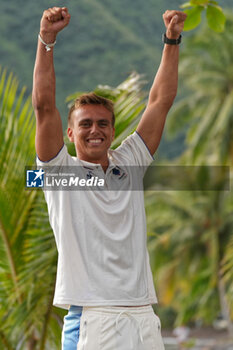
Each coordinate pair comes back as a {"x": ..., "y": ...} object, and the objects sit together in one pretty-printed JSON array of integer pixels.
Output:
[{"x": 103, "y": 161}]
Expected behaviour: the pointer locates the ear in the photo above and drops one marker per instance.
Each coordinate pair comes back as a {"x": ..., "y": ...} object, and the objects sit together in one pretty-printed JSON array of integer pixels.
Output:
[{"x": 70, "y": 134}]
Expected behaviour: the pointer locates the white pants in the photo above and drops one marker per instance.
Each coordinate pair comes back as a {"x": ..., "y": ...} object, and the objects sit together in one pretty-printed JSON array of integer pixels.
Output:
[{"x": 120, "y": 328}]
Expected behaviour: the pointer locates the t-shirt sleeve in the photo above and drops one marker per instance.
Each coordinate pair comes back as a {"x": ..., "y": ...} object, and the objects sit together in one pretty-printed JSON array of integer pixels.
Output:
[
  {"x": 58, "y": 160},
  {"x": 135, "y": 151},
  {"x": 53, "y": 197}
]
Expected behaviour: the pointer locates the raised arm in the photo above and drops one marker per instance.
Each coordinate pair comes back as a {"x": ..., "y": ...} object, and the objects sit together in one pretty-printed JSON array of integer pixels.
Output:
[
  {"x": 49, "y": 134},
  {"x": 164, "y": 88}
]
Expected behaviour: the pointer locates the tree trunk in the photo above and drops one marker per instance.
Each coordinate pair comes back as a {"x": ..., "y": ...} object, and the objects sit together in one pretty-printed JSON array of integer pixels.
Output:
[
  {"x": 5, "y": 341},
  {"x": 47, "y": 318},
  {"x": 32, "y": 342},
  {"x": 225, "y": 310}
]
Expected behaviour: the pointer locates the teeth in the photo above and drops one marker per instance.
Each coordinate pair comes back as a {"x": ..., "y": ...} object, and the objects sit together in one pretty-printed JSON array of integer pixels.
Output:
[{"x": 95, "y": 141}]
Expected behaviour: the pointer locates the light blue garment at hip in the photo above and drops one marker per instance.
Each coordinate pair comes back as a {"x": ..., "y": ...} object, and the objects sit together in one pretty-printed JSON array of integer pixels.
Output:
[{"x": 70, "y": 333}]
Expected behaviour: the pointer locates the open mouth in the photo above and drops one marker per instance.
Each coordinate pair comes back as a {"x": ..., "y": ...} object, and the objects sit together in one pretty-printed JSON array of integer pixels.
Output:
[{"x": 96, "y": 141}]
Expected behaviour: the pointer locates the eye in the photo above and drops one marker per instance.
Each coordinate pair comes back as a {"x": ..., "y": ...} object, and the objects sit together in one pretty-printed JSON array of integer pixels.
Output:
[
  {"x": 103, "y": 123},
  {"x": 85, "y": 124}
]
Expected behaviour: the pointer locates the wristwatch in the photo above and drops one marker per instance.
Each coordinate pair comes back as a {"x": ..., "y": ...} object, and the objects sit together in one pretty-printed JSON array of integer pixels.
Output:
[{"x": 171, "y": 41}]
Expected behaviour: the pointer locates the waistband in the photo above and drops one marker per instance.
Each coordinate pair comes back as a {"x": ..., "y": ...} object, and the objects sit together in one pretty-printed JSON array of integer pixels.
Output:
[
  {"x": 116, "y": 310},
  {"x": 135, "y": 314}
]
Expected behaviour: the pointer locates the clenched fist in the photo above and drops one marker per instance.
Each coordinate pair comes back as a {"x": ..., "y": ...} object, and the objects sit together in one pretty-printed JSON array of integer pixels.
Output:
[
  {"x": 174, "y": 23},
  {"x": 53, "y": 21}
]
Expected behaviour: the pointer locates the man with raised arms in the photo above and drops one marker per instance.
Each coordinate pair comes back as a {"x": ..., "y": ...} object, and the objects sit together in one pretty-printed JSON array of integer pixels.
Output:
[{"x": 103, "y": 274}]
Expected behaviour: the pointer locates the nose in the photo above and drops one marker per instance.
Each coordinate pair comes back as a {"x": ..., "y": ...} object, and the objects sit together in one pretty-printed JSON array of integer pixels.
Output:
[{"x": 94, "y": 128}]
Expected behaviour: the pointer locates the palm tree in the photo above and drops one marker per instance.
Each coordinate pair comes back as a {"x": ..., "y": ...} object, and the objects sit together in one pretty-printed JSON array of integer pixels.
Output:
[
  {"x": 188, "y": 239},
  {"x": 191, "y": 232},
  {"x": 28, "y": 253},
  {"x": 207, "y": 106}
]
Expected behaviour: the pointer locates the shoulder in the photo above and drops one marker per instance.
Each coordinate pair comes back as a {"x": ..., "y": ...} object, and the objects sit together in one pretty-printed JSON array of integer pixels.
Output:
[
  {"x": 62, "y": 158},
  {"x": 132, "y": 150}
]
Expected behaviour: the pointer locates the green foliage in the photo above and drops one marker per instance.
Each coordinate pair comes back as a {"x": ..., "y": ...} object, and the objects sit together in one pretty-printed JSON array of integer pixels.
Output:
[
  {"x": 214, "y": 14},
  {"x": 28, "y": 253},
  {"x": 193, "y": 17},
  {"x": 206, "y": 108},
  {"x": 227, "y": 262},
  {"x": 190, "y": 233},
  {"x": 105, "y": 41},
  {"x": 188, "y": 241},
  {"x": 215, "y": 18}
]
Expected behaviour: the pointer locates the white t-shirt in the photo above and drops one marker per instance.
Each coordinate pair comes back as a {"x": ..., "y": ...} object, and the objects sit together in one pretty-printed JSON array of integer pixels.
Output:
[{"x": 101, "y": 235}]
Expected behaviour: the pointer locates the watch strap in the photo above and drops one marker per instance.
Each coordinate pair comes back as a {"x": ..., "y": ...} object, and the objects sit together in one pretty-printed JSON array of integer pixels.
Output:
[{"x": 171, "y": 41}]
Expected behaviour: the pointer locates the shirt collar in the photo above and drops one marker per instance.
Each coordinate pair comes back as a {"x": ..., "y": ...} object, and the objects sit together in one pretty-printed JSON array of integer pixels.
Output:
[{"x": 94, "y": 166}]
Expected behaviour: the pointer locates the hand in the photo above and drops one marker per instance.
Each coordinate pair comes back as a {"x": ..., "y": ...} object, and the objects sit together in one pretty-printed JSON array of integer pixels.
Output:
[
  {"x": 174, "y": 22},
  {"x": 53, "y": 21}
]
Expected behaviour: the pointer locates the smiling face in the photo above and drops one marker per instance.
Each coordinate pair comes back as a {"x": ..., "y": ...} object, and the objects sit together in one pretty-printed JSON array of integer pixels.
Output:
[{"x": 92, "y": 132}]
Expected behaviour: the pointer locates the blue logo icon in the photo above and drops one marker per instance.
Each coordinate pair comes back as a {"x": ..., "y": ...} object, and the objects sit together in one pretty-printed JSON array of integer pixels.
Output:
[{"x": 35, "y": 178}]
